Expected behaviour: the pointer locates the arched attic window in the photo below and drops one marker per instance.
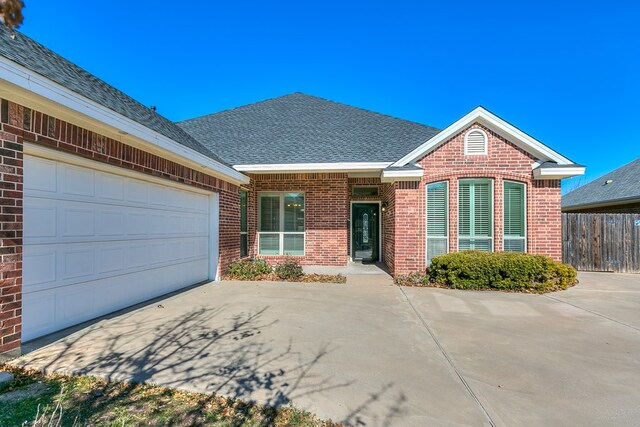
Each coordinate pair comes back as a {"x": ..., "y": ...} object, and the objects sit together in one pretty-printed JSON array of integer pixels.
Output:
[{"x": 475, "y": 143}]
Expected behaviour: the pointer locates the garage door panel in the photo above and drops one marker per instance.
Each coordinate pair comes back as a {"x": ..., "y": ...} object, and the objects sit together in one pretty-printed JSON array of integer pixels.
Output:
[
  {"x": 77, "y": 181},
  {"x": 42, "y": 219},
  {"x": 42, "y": 268},
  {"x": 96, "y": 242},
  {"x": 57, "y": 265},
  {"x": 110, "y": 187},
  {"x": 74, "y": 221},
  {"x": 50, "y": 310},
  {"x": 41, "y": 177}
]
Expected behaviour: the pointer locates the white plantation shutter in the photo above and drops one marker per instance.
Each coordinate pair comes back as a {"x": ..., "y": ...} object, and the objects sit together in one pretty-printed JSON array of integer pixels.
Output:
[
  {"x": 475, "y": 142},
  {"x": 514, "y": 219},
  {"x": 437, "y": 219},
  {"x": 475, "y": 214}
]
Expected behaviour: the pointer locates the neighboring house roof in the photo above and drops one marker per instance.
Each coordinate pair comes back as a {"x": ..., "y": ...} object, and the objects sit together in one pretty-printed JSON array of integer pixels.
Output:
[
  {"x": 37, "y": 58},
  {"x": 617, "y": 187},
  {"x": 303, "y": 129}
]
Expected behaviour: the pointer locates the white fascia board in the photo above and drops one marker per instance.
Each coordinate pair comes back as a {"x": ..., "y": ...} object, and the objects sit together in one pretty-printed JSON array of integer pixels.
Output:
[
  {"x": 312, "y": 167},
  {"x": 493, "y": 122},
  {"x": 50, "y": 90},
  {"x": 401, "y": 175},
  {"x": 558, "y": 173}
]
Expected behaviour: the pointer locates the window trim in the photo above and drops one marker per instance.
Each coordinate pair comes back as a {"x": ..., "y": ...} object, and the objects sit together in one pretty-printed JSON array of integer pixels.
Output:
[
  {"x": 246, "y": 225},
  {"x": 486, "y": 142},
  {"x": 281, "y": 233},
  {"x": 526, "y": 216},
  {"x": 493, "y": 207},
  {"x": 426, "y": 217}
]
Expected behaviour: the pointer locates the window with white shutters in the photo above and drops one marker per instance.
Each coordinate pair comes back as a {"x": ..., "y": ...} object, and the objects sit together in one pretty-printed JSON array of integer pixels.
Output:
[
  {"x": 475, "y": 143},
  {"x": 437, "y": 219},
  {"x": 514, "y": 217},
  {"x": 475, "y": 214}
]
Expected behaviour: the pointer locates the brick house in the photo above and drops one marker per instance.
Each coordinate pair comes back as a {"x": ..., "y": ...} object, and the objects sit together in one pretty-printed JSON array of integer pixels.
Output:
[{"x": 106, "y": 203}]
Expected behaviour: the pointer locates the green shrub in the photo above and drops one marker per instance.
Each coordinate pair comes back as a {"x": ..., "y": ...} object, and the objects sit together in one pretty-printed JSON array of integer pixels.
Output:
[
  {"x": 248, "y": 269},
  {"x": 289, "y": 269},
  {"x": 500, "y": 270}
]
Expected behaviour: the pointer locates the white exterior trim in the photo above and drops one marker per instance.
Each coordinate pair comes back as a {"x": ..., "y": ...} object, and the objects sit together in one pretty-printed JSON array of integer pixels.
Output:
[
  {"x": 484, "y": 117},
  {"x": 214, "y": 233},
  {"x": 401, "y": 175},
  {"x": 41, "y": 86},
  {"x": 315, "y": 167},
  {"x": 558, "y": 173}
]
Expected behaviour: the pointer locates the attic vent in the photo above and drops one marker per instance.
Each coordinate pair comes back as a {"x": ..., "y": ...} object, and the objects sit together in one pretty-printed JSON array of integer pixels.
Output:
[{"x": 475, "y": 143}]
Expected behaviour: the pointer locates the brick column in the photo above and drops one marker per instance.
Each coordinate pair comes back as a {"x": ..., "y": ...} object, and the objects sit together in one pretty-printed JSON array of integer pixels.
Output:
[
  {"x": 409, "y": 228},
  {"x": 10, "y": 242}
]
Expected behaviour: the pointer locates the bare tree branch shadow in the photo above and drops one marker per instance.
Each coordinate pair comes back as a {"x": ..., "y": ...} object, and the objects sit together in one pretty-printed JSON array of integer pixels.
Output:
[{"x": 206, "y": 349}]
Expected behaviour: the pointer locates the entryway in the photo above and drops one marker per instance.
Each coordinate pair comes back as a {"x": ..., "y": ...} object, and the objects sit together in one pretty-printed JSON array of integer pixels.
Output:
[{"x": 365, "y": 232}]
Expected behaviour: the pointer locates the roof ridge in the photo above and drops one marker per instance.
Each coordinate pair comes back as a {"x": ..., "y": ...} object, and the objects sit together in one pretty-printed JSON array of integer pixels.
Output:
[
  {"x": 370, "y": 111},
  {"x": 239, "y": 107},
  {"x": 310, "y": 96}
]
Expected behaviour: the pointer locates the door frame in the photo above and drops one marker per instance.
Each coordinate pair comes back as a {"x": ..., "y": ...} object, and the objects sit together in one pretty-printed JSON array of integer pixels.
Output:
[{"x": 366, "y": 202}]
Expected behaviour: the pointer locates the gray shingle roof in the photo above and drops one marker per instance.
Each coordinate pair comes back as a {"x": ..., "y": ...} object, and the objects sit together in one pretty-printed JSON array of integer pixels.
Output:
[
  {"x": 37, "y": 58},
  {"x": 300, "y": 128},
  {"x": 625, "y": 185}
]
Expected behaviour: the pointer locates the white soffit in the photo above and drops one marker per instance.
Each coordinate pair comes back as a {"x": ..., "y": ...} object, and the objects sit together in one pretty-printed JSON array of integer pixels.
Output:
[{"x": 313, "y": 167}]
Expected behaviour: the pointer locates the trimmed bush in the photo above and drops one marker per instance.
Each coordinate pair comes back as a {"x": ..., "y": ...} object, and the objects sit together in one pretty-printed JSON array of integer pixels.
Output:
[
  {"x": 500, "y": 271},
  {"x": 289, "y": 269},
  {"x": 248, "y": 269}
]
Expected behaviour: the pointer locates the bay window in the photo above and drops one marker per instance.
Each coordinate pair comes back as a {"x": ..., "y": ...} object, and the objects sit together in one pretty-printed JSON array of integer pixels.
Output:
[
  {"x": 475, "y": 214},
  {"x": 244, "y": 246},
  {"x": 514, "y": 218},
  {"x": 437, "y": 219},
  {"x": 281, "y": 223}
]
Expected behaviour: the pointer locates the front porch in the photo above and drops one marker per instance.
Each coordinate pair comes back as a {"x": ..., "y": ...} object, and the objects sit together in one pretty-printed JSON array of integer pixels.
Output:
[{"x": 320, "y": 219}]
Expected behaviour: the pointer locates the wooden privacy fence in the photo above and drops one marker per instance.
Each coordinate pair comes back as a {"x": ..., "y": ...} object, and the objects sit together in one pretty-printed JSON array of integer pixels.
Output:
[{"x": 601, "y": 242}]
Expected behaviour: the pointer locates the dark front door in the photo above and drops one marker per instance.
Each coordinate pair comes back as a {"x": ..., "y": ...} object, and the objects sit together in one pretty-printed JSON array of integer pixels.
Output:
[{"x": 364, "y": 231}]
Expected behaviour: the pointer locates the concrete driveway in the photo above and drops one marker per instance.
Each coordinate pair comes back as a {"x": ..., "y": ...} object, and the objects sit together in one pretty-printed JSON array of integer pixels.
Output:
[{"x": 370, "y": 353}]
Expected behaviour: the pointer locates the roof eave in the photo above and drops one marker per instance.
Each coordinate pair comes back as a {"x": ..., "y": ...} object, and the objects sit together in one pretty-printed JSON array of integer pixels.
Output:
[
  {"x": 312, "y": 167},
  {"x": 558, "y": 172},
  {"x": 613, "y": 202},
  {"x": 31, "y": 87}
]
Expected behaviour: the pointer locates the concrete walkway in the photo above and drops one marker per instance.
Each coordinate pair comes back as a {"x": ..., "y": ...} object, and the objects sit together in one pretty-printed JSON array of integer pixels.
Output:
[{"x": 370, "y": 353}]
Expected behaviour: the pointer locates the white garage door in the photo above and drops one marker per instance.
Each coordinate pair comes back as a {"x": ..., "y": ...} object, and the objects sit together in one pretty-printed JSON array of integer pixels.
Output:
[{"x": 96, "y": 242}]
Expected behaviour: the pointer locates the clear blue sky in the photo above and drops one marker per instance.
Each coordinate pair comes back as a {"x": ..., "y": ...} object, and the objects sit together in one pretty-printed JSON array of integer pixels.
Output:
[{"x": 566, "y": 72}]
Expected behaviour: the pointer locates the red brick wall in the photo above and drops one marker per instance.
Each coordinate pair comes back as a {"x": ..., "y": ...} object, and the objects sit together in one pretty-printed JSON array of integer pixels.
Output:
[
  {"x": 326, "y": 214},
  {"x": 389, "y": 227},
  {"x": 504, "y": 161},
  {"x": 20, "y": 125}
]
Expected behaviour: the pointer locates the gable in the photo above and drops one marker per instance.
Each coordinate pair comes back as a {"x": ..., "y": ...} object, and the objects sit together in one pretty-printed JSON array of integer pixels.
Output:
[
  {"x": 501, "y": 156},
  {"x": 535, "y": 148}
]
